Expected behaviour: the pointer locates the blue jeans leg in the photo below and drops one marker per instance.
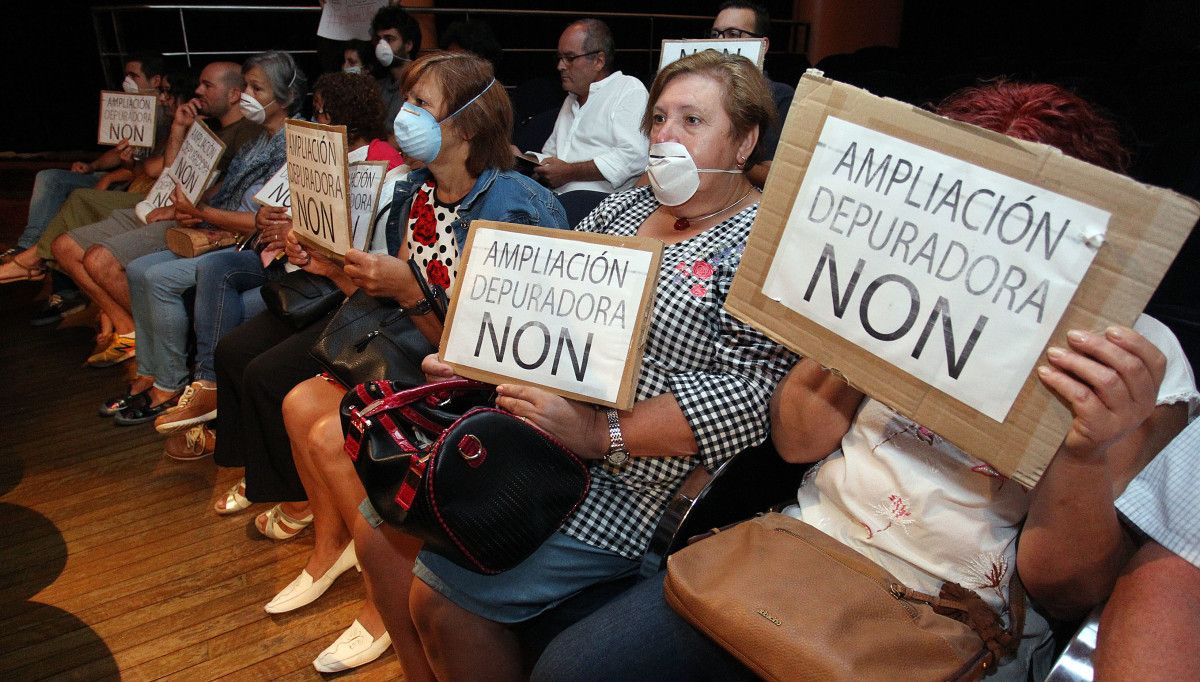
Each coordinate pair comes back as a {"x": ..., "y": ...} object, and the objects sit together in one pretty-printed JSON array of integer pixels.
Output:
[
  {"x": 221, "y": 279},
  {"x": 162, "y": 329},
  {"x": 138, "y": 274},
  {"x": 636, "y": 636},
  {"x": 50, "y": 189}
]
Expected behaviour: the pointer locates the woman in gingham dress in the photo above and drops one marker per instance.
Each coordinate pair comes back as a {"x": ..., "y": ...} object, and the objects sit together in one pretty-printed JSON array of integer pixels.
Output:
[{"x": 702, "y": 396}]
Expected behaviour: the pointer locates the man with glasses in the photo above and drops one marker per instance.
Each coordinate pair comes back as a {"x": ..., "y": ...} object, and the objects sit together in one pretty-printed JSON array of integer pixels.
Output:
[
  {"x": 741, "y": 20},
  {"x": 597, "y": 144}
]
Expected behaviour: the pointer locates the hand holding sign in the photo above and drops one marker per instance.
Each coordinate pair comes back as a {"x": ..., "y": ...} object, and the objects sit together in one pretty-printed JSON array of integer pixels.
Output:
[
  {"x": 183, "y": 205},
  {"x": 1105, "y": 410},
  {"x": 382, "y": 275},
  {"x": 273, "y": 225},
  {"x": 313, "y": 263},
  {"x": 579, "y": 426}
]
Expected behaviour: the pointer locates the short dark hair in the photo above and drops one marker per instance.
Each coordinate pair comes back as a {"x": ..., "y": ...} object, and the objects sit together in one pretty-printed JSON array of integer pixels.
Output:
[
  {"x": 152, "y": 64},
  {"x": 487, "y": 123},
  {"x": 395, "y": 17},
  {"x": 762, "y": 19},
  {"x": 598, "y": 38},
  {"x": 474, "y": 36},
  {"x": 352, "y": 100}
]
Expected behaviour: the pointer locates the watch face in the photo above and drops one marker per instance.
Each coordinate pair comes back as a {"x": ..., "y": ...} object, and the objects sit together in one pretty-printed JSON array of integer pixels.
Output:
[{"x": 616, "y": 457}]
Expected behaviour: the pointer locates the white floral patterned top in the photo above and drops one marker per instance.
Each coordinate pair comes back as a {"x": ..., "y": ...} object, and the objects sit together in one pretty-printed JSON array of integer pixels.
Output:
[{"x": 928, "y": 512}]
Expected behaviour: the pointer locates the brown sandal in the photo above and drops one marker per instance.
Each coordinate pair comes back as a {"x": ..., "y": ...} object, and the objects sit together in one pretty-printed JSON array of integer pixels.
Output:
[{"x": 23, "y": 273}]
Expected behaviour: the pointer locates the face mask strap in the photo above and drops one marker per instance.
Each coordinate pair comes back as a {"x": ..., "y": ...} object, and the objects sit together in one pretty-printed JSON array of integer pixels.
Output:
[{"x": 470, "y": 101}]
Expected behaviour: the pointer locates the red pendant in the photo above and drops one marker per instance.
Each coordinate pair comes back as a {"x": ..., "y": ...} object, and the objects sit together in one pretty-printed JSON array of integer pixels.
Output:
[{"x": 682, "y": 224}]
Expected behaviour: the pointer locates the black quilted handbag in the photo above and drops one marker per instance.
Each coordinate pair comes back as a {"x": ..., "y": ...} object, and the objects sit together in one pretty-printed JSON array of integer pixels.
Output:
[
  {"x": 372, "y": 338},
  {"x": 484, "y": 489}
]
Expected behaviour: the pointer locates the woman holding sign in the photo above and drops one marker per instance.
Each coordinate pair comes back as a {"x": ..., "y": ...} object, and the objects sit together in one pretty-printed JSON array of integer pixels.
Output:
[
  {"x": 941, "y": 522},
  {"x": 702, "y": 395},
  {"x": 456, "y": 121}
]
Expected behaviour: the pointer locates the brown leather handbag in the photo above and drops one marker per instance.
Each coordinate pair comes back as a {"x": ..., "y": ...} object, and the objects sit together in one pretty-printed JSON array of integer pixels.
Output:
[
  {"x": 189, "y": 242},
  {"x": 792, "y": 603}
]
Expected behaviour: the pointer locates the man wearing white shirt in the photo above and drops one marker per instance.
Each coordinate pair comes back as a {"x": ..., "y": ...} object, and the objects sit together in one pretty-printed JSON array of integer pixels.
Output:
[{"x": 597, "y": 143}]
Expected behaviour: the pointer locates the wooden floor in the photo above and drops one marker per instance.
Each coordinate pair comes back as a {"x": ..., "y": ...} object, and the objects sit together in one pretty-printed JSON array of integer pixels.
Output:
[{"x": 112, "y": 563}]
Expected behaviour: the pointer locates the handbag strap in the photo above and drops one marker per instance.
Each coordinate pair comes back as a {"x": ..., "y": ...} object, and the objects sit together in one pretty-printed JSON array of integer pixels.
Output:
[
  {"x": 967, "y": 607},
  {"x": 442, "y": 390}
]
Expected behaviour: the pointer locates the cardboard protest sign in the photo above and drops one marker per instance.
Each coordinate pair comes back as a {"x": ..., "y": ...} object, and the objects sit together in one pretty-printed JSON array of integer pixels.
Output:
[
  {"x": 566, "y": 311},
  {"x": 276, "y": 191},
  {"x": 127, "y": 117},
  {"x": 366, "y": 181},
  {"x": 318, "y": 174},
  {"x": 930, "y": 263},
  {"x": 194, "y": 168},
  {"x": 753, "y": 49}
]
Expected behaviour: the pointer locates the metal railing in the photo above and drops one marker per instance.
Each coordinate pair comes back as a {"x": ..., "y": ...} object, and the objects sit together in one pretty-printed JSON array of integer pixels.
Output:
[{"x": 114, "y": 44}]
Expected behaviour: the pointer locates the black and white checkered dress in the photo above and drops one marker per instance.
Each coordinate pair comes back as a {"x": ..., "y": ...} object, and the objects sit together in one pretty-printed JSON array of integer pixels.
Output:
[{"x": 721, "y": 372}]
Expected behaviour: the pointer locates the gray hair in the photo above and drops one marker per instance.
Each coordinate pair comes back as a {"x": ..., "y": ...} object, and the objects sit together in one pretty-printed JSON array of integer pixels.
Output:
[
  {"x": 599, "y": 39},
  {"x": 287, "y": 81}
]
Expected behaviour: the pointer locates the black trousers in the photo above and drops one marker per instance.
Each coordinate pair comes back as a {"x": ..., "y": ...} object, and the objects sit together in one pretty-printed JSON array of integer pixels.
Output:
[{"x": 257, "y": 364}]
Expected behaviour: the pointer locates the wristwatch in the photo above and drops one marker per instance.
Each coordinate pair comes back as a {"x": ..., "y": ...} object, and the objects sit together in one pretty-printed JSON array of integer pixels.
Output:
[
  {"x": 417, "y": 309},
  {"x": 617, "y": 455}
]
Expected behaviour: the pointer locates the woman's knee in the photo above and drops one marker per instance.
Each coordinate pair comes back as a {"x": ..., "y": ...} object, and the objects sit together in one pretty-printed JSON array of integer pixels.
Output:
[
  {"x": 306, "y": 403},
  {"x": 431, "y": 612}
]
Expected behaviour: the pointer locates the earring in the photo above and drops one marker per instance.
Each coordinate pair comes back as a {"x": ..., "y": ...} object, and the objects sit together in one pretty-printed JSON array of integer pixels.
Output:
[{"x": 741, "y": 161}]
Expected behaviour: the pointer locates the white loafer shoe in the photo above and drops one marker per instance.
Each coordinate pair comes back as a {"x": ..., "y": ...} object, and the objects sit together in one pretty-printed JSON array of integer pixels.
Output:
[
  {"x": 352, "y": 648},
  {"x": 304, "y": 590}
]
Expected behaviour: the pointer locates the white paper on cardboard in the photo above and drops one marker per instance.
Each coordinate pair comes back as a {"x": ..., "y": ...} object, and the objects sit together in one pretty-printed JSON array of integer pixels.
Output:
[
  {"x": 953, "y": 273},
  {"x": 750, "y": 48},
  {"x": 550, "y": 311}
]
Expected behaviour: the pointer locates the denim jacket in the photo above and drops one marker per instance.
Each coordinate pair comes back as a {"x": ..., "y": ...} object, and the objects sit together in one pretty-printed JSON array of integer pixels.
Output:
[{"x": 503, "y": 196}]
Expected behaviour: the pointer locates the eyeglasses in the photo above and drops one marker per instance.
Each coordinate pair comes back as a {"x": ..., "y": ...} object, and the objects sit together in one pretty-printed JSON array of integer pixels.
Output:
[
  {"x": 732, "y": 33},
  {"x": 570, "y": 58}
]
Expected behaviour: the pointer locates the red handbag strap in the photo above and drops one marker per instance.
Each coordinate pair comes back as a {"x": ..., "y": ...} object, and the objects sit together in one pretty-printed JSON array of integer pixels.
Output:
[{"x": 412, "y": 395}]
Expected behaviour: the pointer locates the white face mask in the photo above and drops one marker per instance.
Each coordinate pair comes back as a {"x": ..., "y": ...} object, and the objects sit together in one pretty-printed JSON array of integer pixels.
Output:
[
  {"x": 383, "y": 52},
  {"x": 353, "y": 69},
  {"x": 252, "y": 108},
  {"x": 130, "y": 86},
  {"x": 674, "y": 177}
]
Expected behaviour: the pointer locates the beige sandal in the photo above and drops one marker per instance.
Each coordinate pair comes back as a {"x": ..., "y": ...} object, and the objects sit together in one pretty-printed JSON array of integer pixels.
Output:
[
  {"x": 233, "y": 501},
  {"x": 277, "y": 525}
]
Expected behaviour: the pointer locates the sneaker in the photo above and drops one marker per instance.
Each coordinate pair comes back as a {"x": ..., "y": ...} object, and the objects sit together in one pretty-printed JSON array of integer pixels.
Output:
[
  {"x": 196, "y": 443},
  {"x": 120, "y": 349},
  {"x": 57, "y": 307},
  {"x": 197, "y": 405}
]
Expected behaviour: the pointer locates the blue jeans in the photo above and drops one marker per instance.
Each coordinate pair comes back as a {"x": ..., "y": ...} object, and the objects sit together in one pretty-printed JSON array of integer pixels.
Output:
[
  {"x": 227, "y": 293},
  {"x": 156, "y": 285},
  {"x": 636, "y": 636},
  {"x": 51, "y": 187}
]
